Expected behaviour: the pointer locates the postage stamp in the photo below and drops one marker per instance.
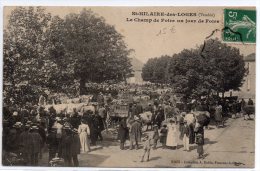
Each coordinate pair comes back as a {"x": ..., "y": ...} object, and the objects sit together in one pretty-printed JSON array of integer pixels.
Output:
[{"x": 239, "y": 25}]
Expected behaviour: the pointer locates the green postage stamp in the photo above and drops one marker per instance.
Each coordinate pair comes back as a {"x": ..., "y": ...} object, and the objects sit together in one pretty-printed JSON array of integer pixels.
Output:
[{"x": 239, "y": 25}]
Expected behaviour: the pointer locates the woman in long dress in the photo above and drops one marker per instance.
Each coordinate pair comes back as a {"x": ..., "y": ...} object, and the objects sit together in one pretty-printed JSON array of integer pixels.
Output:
[
  {"x": 84, "y": 132},
  {"x": 172, "y": 135}
]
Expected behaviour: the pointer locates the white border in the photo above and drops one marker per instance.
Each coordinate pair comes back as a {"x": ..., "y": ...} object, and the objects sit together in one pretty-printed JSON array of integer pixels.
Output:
[{"x": 137, "y": 3}]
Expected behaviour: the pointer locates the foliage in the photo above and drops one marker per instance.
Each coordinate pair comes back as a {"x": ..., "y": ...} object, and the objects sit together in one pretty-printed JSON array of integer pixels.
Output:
[
  {"x": 156, "y": 70},
  {"x": 58, "y": 54},
  {"x": 88, "y": 49},
  {"x": 213, "y": 67}
]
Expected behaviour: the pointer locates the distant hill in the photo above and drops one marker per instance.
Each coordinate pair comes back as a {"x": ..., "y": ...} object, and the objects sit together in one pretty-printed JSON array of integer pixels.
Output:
[{"x": 137, "y": 65}]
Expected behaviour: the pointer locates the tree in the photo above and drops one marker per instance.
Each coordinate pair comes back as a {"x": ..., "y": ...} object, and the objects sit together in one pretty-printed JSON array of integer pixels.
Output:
[
  {"x": 156, "y": 70},
  {"x": 227, "y": 63},
  {"x": 24, "y": 52},
  {"x": 212, "y": 67},
  {"x": 92, "y": 50}
]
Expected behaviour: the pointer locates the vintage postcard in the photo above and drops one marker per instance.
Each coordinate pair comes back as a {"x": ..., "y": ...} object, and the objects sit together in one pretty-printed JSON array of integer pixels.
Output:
[{"x": 129, "y": 87}]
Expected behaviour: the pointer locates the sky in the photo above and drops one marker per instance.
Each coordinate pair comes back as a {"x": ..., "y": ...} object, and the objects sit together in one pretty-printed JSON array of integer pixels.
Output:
[{"x": 144, "y": 38}]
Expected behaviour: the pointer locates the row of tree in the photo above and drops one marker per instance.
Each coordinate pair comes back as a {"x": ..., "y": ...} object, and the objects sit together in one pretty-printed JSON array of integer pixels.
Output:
[
  {"x": 51, "y": 52},
  {"x": 210, "y": 68}
]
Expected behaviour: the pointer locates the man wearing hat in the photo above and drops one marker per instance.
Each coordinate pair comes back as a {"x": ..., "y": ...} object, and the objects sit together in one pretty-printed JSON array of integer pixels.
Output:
[
  {"x": 36, "y": 145},
  {"x": 135, "y": 132},
  {"x": 13, "y": 137},
  {"x": 65, "y": 146},
  {"x": 53, "y": 143},
  {"x": 25, "y": 142},
  {"x": 184, "y": 136},
  {"x": 75, "y": 147}
]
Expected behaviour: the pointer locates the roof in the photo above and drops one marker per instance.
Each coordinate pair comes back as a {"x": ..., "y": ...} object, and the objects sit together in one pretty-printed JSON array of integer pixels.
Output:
[{"x": 250, "y": 57}]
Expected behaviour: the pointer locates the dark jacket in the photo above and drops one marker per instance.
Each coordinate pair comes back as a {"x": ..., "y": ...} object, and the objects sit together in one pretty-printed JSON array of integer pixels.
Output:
[
  {"x": 136, "y": 131},
  {"x": 185, "y": 131},
  {"x": 25, "y": 141},
  {"x": 36, "y": 142},
  {"x": 75, "y": 121},
  {"x": 97, "y": 123},
  {"x": 65, "y": 145},
  {"x": 75, "y": 145},
  {"x": 156, "y": 134},
  {"x": 52, "y": 141},
  {"x": 123, "y": 132}
]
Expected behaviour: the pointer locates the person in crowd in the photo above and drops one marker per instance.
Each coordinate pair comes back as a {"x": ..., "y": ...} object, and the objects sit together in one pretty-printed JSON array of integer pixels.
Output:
[
  {"x": 58, "y": 125},
  {"x": 15, "y": 118},
  {"x": 134, "y": 110},
  {"x": 75, "y": 147},
  {"x": 66, "y": 122},
  {"x": 218, "y": 115},
  {"x": 158, "y": 118},
  {"x": 36, "y": 145},
  {"x": 191, "y": 133},
  {"x": 184, "y": 136},
  {"x": 181, "y": 121},
  {"x": 199, "y": 129},
  {"x": 167, "y": 110},
  {"x": 84, "y": 133},
  {"x": 130, "y": 111},
  {"x": 172, "y": 137},
  {"x": 65, "y": 146},
  {"x": 103, "y": 114},
  {"x": 150, "y": 108},
  {"x": 135, "y": 133},
  {"x": 13, "y": 137},
  {"x": 139, "y": 108},
  {"x": 97, "y": 127},
  {"x": 52, "y": 142},
  {"x": 200, "y": 143},
  {"x": 100, "y": 98},
  {"x": 156, "y": 103},
  {"x": 42, "y": 133},
  {"x": 155, "y": 136},
  {"x": 147, "y": 147},
  {"x": 163, "y": 135},
  {"x": 75, "y": 119},
  {"x": 123, "y": 133},
  {"x": 242, "y": 105},
  {"x": 250, "y": 102},
  {"x": 26, "y": 143}
]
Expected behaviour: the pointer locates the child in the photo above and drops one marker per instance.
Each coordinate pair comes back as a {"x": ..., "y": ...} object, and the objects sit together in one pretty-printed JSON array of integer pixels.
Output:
[
  {"x": 155, "y": 136},
  {"x": 200, "y": 145},
  {"x": 163, "y": 136},
  {"x": 147, "y": 147}
]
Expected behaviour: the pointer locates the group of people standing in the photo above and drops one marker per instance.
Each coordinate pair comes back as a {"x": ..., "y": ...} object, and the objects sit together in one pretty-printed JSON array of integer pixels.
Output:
[{"x": 65, "y": 136}]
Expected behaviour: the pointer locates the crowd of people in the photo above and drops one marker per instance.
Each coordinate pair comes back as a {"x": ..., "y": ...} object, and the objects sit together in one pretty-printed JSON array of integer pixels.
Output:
[{"x": 27, "y": 130}]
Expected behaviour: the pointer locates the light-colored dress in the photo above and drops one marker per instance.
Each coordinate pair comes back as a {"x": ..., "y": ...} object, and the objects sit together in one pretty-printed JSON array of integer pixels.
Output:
[
  {"x": 172, "y": 136},
  {"x": 84, "y": 131}
]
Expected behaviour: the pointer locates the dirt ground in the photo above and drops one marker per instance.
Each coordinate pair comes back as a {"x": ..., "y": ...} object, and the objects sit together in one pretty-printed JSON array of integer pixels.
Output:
[{"x": 230, "y": 146}]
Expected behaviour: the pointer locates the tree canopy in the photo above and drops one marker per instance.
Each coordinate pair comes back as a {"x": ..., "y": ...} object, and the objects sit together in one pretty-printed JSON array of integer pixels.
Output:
[
  {"x": 56, "y": 53},
  {"x": 211, "y": 67},
  {"x": 156, "y": 70}
]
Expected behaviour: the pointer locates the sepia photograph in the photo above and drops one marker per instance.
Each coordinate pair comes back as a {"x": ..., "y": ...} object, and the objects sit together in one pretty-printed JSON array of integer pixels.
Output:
[{"x": 129, "y": 87}]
